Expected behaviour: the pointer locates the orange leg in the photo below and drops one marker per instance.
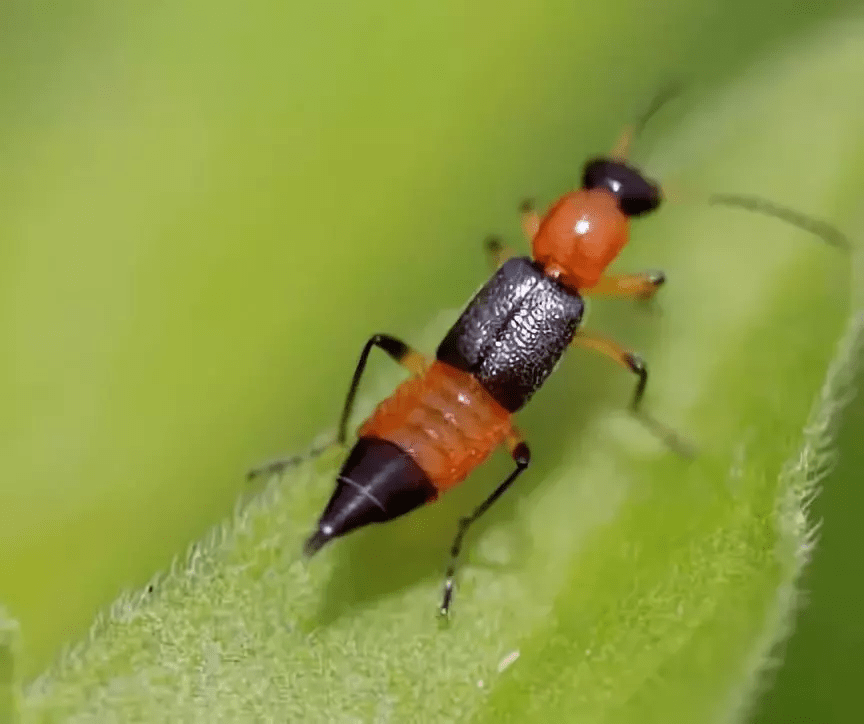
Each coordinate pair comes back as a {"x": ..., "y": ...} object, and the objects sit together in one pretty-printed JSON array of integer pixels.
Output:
[
  {"x": 621, "y": 356},
  {"x": 635, "y": 364},
  {"x": 622, "y": 146},
  {"x": 639, "y": 286}
]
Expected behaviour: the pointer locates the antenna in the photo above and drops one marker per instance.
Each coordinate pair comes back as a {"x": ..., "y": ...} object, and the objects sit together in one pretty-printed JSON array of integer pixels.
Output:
[
  {"x": 661, "y": 98},
  {"x": 825, "y": 231},
  {"x": 818, "y": 227}
]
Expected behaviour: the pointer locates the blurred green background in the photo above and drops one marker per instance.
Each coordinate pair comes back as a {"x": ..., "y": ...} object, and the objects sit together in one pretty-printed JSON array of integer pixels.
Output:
[{"x": 205, "y": 210}]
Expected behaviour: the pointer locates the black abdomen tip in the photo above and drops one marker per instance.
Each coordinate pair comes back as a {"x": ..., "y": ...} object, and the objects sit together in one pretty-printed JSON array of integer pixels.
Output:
[
  {"x": 379, "y": 481},
  {"x": 316, "y": 542}
]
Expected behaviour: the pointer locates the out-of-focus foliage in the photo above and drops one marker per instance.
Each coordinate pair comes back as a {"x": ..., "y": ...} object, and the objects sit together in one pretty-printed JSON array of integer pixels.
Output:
[{"x": 9, "y": 684}]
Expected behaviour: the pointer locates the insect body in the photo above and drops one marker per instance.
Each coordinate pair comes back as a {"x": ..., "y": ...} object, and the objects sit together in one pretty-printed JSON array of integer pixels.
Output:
[
  {"x": 456, "y": 409},
  {"x": 513, "y": 332}
]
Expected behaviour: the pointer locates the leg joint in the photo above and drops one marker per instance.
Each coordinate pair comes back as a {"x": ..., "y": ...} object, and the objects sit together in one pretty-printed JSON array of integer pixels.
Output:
[
  {"x": 657, "y": 278},
  {"x": 522, "y": 455},
  {"x": 636, "y": 364},
  {"x": 396, "y": 348}
]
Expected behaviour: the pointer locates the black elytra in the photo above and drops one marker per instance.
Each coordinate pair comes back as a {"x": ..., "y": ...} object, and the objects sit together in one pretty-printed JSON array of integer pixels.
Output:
[
  {"x": 636, "y": 195},
  {"x": 513, "y": 332}
]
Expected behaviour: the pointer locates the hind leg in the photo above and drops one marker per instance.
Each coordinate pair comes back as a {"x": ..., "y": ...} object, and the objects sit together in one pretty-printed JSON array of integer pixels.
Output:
[{"x": 409, "y": 358}]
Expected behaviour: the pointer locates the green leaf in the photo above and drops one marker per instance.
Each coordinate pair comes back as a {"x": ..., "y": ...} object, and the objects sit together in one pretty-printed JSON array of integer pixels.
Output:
[
  {"x": 179, "y": 180},
  {"x": 618, "y": 583},
  {"x": 8, "y": 673}
]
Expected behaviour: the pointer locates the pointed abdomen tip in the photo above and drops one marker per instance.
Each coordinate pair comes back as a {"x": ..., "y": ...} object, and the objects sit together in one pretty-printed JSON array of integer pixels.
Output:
[{"x": 316, "y": 542}]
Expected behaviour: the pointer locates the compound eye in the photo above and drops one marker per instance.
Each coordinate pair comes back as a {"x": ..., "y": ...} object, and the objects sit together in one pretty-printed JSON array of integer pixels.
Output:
[
  {"x": 600, "y": 173},
  {"x": 636, "y": 195},
  {"x": 636, "y": 201}
]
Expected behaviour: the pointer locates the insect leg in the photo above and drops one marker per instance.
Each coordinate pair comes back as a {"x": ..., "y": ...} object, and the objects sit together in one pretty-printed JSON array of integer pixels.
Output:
[
  {"x": 522, "y": 457},
  {"x": 629, "y": 361},
  {"x": 638, "y": 286},
  {"x": 409, "y": 358},
  {"x": 635, "y": 364},
  {"x": 277, "y": 465}
]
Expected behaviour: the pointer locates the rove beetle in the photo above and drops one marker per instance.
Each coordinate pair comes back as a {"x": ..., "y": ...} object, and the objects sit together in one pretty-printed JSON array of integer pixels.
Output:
[{"x": 454, "y": 410}]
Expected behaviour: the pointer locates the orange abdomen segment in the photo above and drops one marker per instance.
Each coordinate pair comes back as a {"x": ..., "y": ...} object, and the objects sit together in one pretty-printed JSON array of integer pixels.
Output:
[{"x": 445, "y": 420}]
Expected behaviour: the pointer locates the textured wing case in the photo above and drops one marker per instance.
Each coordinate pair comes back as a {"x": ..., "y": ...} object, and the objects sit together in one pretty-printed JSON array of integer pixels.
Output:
[{"x": 513, "y": 332}]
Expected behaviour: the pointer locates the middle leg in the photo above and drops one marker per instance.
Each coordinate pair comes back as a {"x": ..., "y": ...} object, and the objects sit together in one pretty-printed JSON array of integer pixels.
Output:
[
  {"x": 635, "y": 364},
  {"x": 628, "y": 360}
]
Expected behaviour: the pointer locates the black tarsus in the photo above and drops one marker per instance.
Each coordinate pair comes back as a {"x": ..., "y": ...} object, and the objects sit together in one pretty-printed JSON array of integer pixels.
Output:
[
  {"x": 637, "y": 366},
  {"x": 657, "y": 277},
  {"x": 522, "y": 458},
  {"x": 666, "y": 434}
]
